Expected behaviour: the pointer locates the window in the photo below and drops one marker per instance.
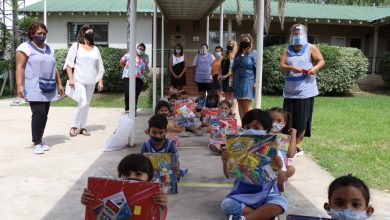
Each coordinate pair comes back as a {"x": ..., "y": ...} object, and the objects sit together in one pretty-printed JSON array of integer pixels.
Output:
[
  {"x": 101, "y": 33},
  {"x": 313, "y": 39},
  {"x": 356, "y": 42},
  {"x": 338, "y": 41},
  {"x": 270, "y": 40},
  {"x": 214, "y": 39}
]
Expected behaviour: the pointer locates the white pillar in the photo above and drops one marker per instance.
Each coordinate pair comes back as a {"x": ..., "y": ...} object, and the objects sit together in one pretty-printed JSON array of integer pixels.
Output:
[
  {"x": 373, "y": 65},
  {"x": 230, "y": 29},
  {"x": 45, "y": 12},
  {"x": 154, "y": 54},
  {"x": 221, "y": 25},
  {"x": 259, "y": 59},
  {"x": 162, "y": 56},
  {"x": 131, "y": 47},
  {"x": 207, "y": 30}
]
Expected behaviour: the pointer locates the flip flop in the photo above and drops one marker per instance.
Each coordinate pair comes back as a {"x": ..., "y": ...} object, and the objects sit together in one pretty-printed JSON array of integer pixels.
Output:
[
  {"x": 73, "y": 132},
  {"x": 84, "y": 132}
]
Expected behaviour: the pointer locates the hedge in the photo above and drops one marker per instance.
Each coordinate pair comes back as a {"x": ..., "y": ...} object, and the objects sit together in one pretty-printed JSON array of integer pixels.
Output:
[
  {"x": 113, "y": 71},
  {"x": 384, "y": 69},
  {"x": 343, "y": 67}
]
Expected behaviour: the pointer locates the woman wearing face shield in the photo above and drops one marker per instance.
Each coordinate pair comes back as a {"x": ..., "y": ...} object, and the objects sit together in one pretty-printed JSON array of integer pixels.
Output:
[
  {"x": 244, "y": 71},
  {"x": 87, "y": 62},
  {"x": 203, "y": 63},
  {"x": 300, "y": 62}
]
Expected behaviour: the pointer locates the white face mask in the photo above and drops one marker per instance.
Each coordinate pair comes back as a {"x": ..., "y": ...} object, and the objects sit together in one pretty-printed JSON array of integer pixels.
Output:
[
  {"x": 346, "y": 214},
  {"x": 140, "y": 52},
  {"x": 178, "y": 51},
  {"x": 218, "y": 54},
  {"x": 277, "y": 127}
]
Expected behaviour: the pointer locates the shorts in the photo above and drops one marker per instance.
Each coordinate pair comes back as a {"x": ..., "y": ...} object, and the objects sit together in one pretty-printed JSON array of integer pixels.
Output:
[
  {"x": 301, "y": 111},
  {"x": 234, "y": 208},
  {"x": 204, "y": 87}
]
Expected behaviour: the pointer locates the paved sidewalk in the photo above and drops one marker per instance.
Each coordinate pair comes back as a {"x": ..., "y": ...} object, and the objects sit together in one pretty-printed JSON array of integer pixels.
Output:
[{"x": 49, "y": 186}]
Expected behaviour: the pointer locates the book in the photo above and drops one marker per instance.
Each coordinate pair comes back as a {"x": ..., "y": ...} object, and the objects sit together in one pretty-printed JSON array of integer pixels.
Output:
[
  {"x": 207, "y": 113},
  {"x": 283, "y": 141},
  {"x": 162, "y": 165},
  {"x": 185, "y": 113},
  {"x": 122, "y": 200},
  {"x": 220, "y": 128},
  {"x": 250, "y": 157}
]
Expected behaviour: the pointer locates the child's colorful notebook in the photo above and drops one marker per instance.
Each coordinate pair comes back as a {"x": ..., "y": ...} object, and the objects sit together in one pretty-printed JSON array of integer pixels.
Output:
[
  {"x": 207, "y": 113},
  {"x": 162, "y": 165},
  {"x": 221, "y": 128},
  {"x": 283, "y": 141},
  {"x": 122, "y": 200},
  {"x": 185, "y": 113},
  {"x": 250, "y": 157}
]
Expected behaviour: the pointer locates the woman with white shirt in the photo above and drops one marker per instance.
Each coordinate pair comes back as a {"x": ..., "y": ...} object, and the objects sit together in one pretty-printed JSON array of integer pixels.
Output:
[
  {"x": 87, "y": 62},
  {"x": 177, "y": 68}
]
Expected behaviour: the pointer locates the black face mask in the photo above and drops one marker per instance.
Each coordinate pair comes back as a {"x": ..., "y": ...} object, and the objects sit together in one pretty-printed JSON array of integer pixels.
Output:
[
  {"x": 244, "y": 44},
  {"x": 229, "y": 47},
  {"x": 89, "y": 36}
]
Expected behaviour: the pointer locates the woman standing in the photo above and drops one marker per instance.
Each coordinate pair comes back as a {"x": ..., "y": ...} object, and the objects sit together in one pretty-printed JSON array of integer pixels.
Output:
[
  {"x": 300, "y": 84},
  {"x": 87, "y": 62},
  {"x": 244, "y": 71},
  {"x": 177, "y": 68},
  {"x": 142, "y": 66},
  {"x": 225, "y": 73},
  {"x": 203, "y": 62},
  {"x": 38, "y": 80}
]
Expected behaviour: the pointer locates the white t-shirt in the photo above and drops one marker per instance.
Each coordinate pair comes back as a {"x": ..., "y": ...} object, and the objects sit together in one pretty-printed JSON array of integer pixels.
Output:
[{"x": 88, "y": 68}]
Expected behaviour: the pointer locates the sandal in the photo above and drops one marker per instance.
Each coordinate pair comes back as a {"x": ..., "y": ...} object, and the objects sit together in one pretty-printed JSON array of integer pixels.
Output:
[
  {"x": 73, "y": 132},
  {"x": 84, "y": 132}
]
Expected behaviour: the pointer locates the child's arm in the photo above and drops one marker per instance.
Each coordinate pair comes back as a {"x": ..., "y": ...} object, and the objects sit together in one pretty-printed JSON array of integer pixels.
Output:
[
  {"x": 87, "y": 197},
  {"x": 224, "y": 158},
  {"x": 161, "y": 199},
  {"x": 292, "y": 148},
  {"x": 282, "y": 174}
]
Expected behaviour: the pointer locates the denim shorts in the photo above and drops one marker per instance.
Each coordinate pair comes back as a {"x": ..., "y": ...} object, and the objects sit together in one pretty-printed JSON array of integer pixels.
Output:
[{"x": 235, "y": 208}]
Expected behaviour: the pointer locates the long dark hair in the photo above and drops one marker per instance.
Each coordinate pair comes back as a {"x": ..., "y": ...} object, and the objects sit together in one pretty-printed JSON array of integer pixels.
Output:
[
  {"x": 287, "y": 118},
  {"x": 80, "y": 38},
  {"x": 181, "y": 49}
]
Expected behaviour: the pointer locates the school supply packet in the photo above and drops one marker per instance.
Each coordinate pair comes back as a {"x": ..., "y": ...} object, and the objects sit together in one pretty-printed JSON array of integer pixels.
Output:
[{"x": 220, "y": 128}]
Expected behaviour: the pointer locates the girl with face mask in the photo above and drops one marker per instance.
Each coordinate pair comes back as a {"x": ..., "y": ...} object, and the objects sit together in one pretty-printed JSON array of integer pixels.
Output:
[
  {"x": 177, "y": 68},
  {"x": 142, "y": 67},
  {"x": 300, "y": 62},
  {"x": 38, "y": 80},
  {"x": 85, "y": 59}
]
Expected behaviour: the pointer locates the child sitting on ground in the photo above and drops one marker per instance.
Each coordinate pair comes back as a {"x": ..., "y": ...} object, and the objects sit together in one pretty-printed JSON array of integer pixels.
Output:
[
  {"x": 249, "y": 202},
  {"x": 183, "y": 97},
  {"x": 187, "y": 122},
  {"x": 225, "y": 111},
  {"x": 200, "y": 101},
  {"x": 158, "y": 143},
  {"x": 172, "y": 100},
  {"x": 348, "y": 199},
  {"x": 163, "y": 108},
  {"x": 281, "y": 124},
  {"x": 134, "y": 167}
]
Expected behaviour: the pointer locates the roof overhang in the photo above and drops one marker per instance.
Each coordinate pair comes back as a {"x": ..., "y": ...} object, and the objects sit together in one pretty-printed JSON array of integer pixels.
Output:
[{"x": 187, "y": 9}]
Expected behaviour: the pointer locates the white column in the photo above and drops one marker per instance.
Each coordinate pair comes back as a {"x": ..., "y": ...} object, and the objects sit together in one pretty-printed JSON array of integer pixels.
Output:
[
  {"x": 131, "y": 47},
  {"x": 259, "y": 59},
  {"x": 154, "y": 54},
  {"x": 373, "y": 65},
  {"x": 45, "y": 12},
  {"x": 230, "y": 29},
  {"x": 221, "y": 25},
  {"x": 207, "y": 30},
  {"x": 162, "y": 57}
]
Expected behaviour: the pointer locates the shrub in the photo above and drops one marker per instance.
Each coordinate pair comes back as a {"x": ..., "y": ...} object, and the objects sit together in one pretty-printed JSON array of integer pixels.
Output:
[
  {"x": 384, "y": 69},
  {"x": 113, "y": 71},
  {"x": 343, "y": 67}
]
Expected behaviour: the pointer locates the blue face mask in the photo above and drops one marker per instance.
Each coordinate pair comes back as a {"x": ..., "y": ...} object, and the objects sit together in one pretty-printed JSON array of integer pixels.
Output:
[
  {"x": 157, "y": 139},
  {"x": 346, "y": 214},
  {"x": 218, "y": 54},
  {"x": 254, "y": 132},
  {"x": 298, "y": 40},
  {"x": 39, "y": 38}
]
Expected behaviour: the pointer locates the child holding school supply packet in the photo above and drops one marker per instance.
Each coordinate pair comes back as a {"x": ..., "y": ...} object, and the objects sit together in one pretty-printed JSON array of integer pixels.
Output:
[
  {"x": 348, "y": 199},
  {"x": 281, "y": 124},
  {"x": 255, "y": 201},
  {"x": 136, "y": 168},
  {"x": 163, "y": 108}
]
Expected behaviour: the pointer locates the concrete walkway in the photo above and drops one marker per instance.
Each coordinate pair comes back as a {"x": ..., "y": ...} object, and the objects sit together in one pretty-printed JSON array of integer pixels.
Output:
[{"x": 49, "y": 186}]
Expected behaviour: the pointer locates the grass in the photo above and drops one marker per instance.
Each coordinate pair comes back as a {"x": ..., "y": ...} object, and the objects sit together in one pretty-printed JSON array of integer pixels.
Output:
[{"x": 349, "y": 134}]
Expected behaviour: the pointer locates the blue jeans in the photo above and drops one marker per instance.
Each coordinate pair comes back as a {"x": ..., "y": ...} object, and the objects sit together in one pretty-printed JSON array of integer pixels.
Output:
[{"x": 232, "y": 207}]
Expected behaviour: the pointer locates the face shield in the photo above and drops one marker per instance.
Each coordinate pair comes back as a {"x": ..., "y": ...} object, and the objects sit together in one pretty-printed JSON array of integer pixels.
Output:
[{"x": 298, "y": 34}]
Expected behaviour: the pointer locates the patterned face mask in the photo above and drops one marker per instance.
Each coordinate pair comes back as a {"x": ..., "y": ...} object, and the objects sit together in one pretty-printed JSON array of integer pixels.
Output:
[{"x": 346, "y": 214}]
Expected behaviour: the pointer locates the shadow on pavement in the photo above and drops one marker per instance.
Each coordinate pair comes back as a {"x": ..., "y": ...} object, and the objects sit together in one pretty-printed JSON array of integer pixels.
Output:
[{"x": 52, "y": 140}]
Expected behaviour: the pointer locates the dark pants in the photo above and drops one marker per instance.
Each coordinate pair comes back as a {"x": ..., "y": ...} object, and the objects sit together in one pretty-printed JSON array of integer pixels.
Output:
[
  {"x": 139, "y": 84},
  {"x": 301, "y": 111},
  {"x": 204, "y": 87},
  {"x": 39, "y": 110}
]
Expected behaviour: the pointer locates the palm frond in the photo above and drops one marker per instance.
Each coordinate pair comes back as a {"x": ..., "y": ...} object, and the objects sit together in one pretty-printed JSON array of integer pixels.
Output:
[
  {"x": 282, "y": 6},
  {"x": 239, "y": 13}
]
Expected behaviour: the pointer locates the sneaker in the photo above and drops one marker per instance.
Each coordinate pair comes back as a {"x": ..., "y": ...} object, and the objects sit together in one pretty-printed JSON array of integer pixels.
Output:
[
  {"x": 184, "y": 134},
  {"x": 299, "y": 152},
  {"x": 213, "y": 148},
  {"x": 37, "y": 149},
  {"x": 45, "y": 147},
  {"x": 198, "y": 133},
  {"x": 231, "y": 217}
]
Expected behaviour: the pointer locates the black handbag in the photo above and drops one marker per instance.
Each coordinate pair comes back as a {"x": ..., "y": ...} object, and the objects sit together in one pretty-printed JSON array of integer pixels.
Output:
[{"x": 75, "y": 57}]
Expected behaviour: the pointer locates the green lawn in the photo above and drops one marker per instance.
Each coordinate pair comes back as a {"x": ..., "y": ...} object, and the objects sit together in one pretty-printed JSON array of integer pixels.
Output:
[{"x": 350, "y": 134}]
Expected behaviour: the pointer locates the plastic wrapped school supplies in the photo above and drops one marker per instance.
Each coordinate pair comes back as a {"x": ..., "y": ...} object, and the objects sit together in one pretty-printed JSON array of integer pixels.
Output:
[
  {"x": 122, "y": 200},
  {"x": 207, "y": 113},
  {"x": 163, "y": 173},
  {"x": 250, "y": 157},
  {"x": 220, "y": 128},
  {"x": 121, "y": 136},
  {"x": 185, "y": 113}
]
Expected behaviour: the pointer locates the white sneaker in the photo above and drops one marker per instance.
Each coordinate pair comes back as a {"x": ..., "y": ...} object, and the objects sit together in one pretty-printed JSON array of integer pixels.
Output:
[
  {"x": 38, "y": 149},
  {"x": 299, "y": 152},
  {"x": 45, "y": 147}
]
